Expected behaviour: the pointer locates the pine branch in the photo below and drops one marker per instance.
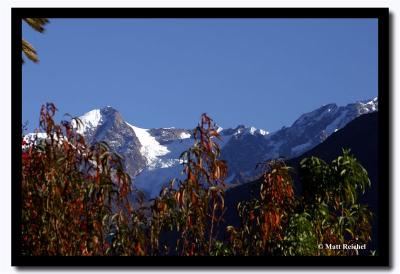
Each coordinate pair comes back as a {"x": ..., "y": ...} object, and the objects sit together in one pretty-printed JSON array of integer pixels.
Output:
[{"x": 29, "y": 51}]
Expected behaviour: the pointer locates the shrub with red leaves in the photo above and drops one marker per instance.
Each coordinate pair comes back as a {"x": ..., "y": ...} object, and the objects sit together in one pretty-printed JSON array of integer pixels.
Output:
[{"x": 74, "y": 196}]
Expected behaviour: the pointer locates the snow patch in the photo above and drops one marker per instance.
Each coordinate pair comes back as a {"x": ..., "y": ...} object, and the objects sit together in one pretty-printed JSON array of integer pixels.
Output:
[
  {"x": 369, "y": 106},
  {"x": 90, "y": 119},
  {"x": 32, "y": 136},
  {"x": 151, "y": 149},
  {"x": 37, "y": 137},
  {"x": 239, "y": 131},
  {"x": 165, "y": 168},
  {"x": 184, "y": 135},
  {"x": 250, "y": 130}
]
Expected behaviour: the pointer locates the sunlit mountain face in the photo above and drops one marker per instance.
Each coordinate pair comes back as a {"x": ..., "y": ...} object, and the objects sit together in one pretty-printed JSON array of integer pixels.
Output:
[{"x": 151, "y": 156}]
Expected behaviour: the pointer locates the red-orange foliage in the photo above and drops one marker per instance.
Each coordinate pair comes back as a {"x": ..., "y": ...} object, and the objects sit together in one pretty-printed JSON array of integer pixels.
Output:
[
  {"x": 195, "y": 207},
  {"x": 74, "y": 196},
  {"x": 264, "y": 219}
]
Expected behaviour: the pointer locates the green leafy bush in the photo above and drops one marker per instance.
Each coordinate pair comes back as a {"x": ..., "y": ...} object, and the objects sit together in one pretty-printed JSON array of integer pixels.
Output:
[{"x": 331, "y": 193}]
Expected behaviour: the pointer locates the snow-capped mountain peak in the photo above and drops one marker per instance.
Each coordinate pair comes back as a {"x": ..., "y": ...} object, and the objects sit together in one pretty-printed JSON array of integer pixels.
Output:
[
  {"x": 368, "y": 106},
  {"x": 89, "y": 120},
  {"x": 151, "y": 156},
  {"x": 241, "y": 130}
]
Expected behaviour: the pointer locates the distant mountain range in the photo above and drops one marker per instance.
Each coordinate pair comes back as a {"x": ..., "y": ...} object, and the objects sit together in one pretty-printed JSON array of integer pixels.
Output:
[{"x": 151, "y": 156}]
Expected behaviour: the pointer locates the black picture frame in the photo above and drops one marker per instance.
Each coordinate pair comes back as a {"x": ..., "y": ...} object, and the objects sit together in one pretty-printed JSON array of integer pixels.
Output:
[{"x": 382, "y": 14}]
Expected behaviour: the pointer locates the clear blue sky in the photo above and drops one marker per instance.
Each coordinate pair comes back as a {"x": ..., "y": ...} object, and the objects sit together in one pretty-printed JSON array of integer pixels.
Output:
[{"x": 166, "y": 72}]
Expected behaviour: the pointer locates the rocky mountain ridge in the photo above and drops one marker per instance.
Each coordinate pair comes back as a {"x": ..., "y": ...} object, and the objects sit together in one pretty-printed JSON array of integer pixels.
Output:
[{"x": 151, "y": 156}]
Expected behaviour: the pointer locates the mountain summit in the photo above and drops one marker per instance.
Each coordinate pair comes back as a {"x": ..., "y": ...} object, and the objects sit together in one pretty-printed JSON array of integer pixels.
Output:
[
  {"x": 106, "y": 124},
  {"x": 151, "y": 156}
]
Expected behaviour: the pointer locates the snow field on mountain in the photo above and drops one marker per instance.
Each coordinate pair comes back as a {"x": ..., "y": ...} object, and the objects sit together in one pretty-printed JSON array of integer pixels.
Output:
[
  {"x": 151, "y": 149},
  {"x": 89, "y": 120}
]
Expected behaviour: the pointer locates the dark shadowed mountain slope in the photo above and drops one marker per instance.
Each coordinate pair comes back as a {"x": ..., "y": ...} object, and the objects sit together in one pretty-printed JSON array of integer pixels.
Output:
[{"x": 361, "y": 136}]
